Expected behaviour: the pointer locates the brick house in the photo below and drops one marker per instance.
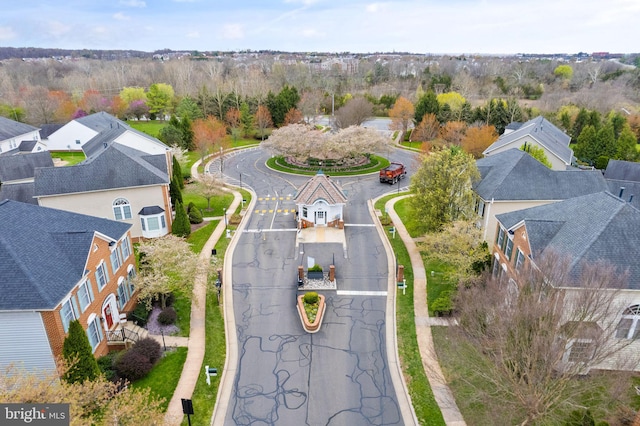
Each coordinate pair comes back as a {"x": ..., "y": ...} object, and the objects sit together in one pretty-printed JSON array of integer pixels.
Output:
[
  {"x": 59, "y": 266},
  {"x": 598, "y": 227},
  {"x": 320, "y": 202}
]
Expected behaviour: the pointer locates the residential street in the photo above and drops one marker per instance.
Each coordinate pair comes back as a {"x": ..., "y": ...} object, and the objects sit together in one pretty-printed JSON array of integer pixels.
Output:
[{"x": 284, "y": 375}]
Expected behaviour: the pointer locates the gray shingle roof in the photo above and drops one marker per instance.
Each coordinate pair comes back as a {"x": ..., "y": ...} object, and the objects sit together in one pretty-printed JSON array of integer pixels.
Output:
[
  {"x": 631, "y": 192},
  {"x": 117, "y": 166},
  {"x": 22, "y": 192},
  {"x": 540, "y": 129},
  {"x": 622, "y": 170},
  {"x": 591, "y": 228},
  {"x": 100, "y": 121},
  {"x": 516, "y": 175},
  {"x": 44, "y": 252},
  {"x": 320, "y": 187},
  {"x": 11, "y": 129},
  {"x": 22, "y": 166}
]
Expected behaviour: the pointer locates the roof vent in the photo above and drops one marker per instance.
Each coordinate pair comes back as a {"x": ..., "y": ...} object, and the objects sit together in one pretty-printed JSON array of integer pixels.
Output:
[
  {"x": 631, "y": 198},
  {"x": 105, "y": 145},
  {"x": 621, "y": 191}
]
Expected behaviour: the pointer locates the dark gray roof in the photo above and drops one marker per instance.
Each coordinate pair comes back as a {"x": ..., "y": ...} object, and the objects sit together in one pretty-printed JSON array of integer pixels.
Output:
[
  {"x": 514, "y": 125},
  {"x": 117, "y": 166},
  {"x": 48, "y": 129},
  {"x": 591, "y": 228},
  {"x": 151, "y": 210},
  {"x": 22, "y": 192},
  {"x": 10, "y": 129},
  {"x": 630, "y": 193},
  {"x": 623, "y": 170},
  {"x": 22, "y": 166},
  {"x": 517, "y": 176},
  {"x": 545, "y": 133},
  {"x": 100, "y": 121},
  {"x": 44, "y": 253},
  {"x": 27, "y": 146},
  {"x": 107, "y": 136}
]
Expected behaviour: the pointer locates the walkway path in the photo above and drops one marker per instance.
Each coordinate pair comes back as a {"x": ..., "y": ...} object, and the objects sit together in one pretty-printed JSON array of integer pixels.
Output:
[
  {"x": 196, "y": 344},
  {"x": 441, "y": 391}
]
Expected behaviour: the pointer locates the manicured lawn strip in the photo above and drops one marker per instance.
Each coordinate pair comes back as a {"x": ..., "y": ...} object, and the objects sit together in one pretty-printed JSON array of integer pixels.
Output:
[
  {"x": 204, "y": 396},
  {"x": 409, "y": 219},
  {"x": 437, "y": 279},
  {"x": 163, "y": 377},
  {"x": 414, "y": 146},
  {"x": 279, "y": 164},
  {"x": 424, "y": 404},
  {"x": 151, "y": 128},
  {"x": 70, "y": 157},
  {"x": 199, "y": 237},
  {"x": 246, "y": 196},
  {"x": 217, "y": 203}
]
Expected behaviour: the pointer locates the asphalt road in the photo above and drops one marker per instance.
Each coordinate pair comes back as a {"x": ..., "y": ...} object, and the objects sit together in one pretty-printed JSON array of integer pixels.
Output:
[{"x": 285, "y": 376}]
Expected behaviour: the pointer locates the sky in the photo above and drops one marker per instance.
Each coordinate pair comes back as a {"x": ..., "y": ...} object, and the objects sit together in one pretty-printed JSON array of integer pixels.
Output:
[{"x": 416, "y": 26}]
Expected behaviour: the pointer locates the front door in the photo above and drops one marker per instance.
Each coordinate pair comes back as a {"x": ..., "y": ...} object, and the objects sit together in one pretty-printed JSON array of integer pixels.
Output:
[
  {"x": 321, "y": 217},
  {"x": 108, "y": 316}
]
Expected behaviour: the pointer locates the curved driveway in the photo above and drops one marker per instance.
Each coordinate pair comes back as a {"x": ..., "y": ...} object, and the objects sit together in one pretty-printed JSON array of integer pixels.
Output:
[{"x": 284, "y": 375}]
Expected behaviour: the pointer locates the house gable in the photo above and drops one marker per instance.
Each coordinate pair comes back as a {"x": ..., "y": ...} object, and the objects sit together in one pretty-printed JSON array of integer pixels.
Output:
[{"x": 540, "y": 132}]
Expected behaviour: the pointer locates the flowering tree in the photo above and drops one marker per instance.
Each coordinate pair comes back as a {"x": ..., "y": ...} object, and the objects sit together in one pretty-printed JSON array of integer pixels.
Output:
[{"x": 300, "y": 142}]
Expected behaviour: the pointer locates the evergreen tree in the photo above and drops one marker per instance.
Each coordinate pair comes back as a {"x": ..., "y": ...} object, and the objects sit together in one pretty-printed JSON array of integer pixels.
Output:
[
  {"x": 585, "y": 149},
  {"x": 444, "y": 114},
  {"x": 618, "y": 121},
  {"x": 181, "y": 226},
  {"x": 605, "y": 142},
  {"x": 187, "y": 134},
  {"x": 177, "y": 173},
  {"x": 466, "y": 113},
  {"x": 594, "y": 119},
  {"x": 170, "y": 136},
  {"x": 626, "y": 146},
  {"x": 77, "y": 351},
  {"x": 246, "y": 119},
  {"x": 280, "y": 104},
  {"x": 427, "y": 104},
  {"x": 174, "y": 192},
  {"x": 580, "y": 123},
  {"x": 194, "y": 213}
]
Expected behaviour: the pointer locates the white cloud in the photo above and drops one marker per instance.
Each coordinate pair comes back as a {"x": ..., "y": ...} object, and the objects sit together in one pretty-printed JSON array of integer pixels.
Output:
[
  {"x": 312, "y": 33},
  {"x": 133, "y": 3},
  {"x": 7, "y": 33},
  {"x": 121, "y": 17},
  {"x": 193, "y": 34},
  {"x": 375, "y": 7},
  {"x": 57, "y": 28},
  {"x": 232, "y": 31}
]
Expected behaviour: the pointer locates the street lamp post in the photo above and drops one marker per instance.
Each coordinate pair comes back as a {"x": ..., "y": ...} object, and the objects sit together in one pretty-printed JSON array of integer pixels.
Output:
[
  {"x": 224, "y": 213},
  {"x": 240, "y": 180},
  {"x": 221, "y": 160}
]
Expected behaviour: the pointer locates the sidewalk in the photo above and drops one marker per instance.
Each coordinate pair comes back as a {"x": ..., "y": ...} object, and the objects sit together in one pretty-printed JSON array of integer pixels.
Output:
[
  {"x": 196, "y": 342},
  {"x": 441, "y": 391}
]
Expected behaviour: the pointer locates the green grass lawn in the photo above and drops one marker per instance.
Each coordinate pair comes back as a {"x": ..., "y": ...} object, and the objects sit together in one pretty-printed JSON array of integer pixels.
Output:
[
  {"x": 70, "y": 158},
  {"x": 424, "y": 404},
  {"x": 199, "y": 237},
  {"x": 163, "y": 378},
  {"x": 151, "y": 128},
  {"x": 216, "y": 206}
]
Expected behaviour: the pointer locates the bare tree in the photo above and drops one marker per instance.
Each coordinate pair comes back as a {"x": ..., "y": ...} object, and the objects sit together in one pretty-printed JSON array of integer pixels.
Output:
[
  {"x": 531, "y": 339},
  {"x": 209, "y": 186},
  {"x": 355, "y": 112}
]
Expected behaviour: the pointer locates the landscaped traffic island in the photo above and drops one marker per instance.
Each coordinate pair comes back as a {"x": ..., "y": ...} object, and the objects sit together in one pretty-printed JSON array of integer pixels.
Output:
[{"x": 311, "y": 307}]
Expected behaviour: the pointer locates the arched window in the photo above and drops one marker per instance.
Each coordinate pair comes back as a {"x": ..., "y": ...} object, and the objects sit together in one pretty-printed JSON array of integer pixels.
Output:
[
  {"x": 628, "y": 327},
  {"x": 121, "y": 209}
]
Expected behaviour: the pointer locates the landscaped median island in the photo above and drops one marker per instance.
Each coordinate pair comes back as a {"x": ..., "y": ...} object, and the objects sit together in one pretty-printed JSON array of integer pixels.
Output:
[{"x": 311, "y": 307}]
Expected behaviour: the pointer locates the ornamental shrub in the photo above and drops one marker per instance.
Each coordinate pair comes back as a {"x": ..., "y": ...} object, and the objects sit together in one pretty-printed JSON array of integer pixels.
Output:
[
  {"x": 132, "y": 365},
  {"x": 149, "y": 348},
  {"x": 181, "y": 226},
  {"x": 315, "y": 268},
  {"x": 77, "y": 351},
  {"x": 167, "y": 316},
  {"x": 140, "y": 314},
  {"x": 195, "y": 215},
  {"x": 311, "y": 298}
]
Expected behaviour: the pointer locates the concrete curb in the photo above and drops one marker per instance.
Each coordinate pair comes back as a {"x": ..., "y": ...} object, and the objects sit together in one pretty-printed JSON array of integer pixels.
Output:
[{"x": 441, "y": 391}]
